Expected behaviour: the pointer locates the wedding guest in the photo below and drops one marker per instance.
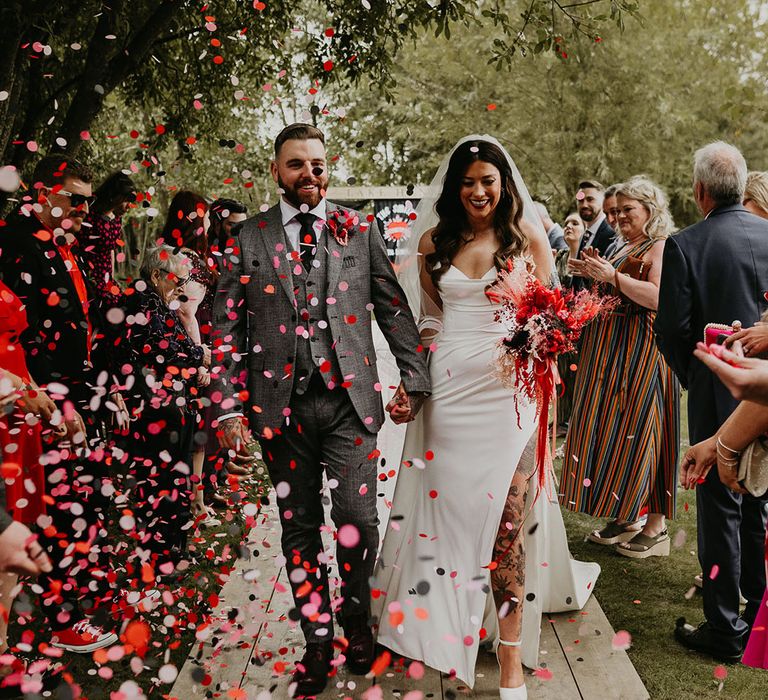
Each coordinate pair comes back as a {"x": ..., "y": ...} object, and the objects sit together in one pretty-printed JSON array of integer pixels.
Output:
[
  {"x": 695, "y": 291},
  {"x": 723, "y": 451},
  {"x": 574, "y": 232},
  {"x": 226, "y": 216},
  {"x": 611, "y": 208},
  {"x": 23, "y": 409},
  {"x": 738, "y": 372},
  {"x": 621, "y": 453},
  {"x": 40, "y": 265},
  {"x": 589, "y": 203},
  {"x": 158, "y": 352},
  {"x": 554, "y": 230},
  {"x": 186, "y": 223},
  {"x": 102, "y": 228},
  {"x": 756, "y": 194}
]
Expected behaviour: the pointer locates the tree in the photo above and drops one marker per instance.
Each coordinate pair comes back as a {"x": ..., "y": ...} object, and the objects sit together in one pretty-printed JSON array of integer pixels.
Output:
[
  {"x": 639, "y": 102},
  {"x": 61, "y": 61}
]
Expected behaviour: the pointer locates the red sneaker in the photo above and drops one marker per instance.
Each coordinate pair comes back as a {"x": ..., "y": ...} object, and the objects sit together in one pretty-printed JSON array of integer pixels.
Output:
[{"x": 82, "y": 638}]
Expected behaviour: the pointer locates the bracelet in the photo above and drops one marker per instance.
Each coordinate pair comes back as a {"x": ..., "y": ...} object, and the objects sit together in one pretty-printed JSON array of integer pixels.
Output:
[
  {"x": 726, "y": 460},
  {"x": 616, "y": 280},
  {"x": 720, "y": 443}
]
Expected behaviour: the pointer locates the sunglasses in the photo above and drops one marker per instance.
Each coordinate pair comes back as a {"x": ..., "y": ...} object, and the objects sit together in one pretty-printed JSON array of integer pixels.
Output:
[
  {"x": 178, "y": 282},
  {"x": 78, "y": 200}
]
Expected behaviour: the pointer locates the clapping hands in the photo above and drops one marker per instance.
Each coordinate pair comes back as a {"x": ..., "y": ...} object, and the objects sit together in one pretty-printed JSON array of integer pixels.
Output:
[{"x": 592, "y": 265}]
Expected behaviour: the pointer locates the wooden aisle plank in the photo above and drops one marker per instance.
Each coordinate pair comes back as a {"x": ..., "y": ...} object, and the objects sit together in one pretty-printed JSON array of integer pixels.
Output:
[
  {"x": 599, "y": 669},
  {"x": 396, "y": 681},
  {"x": 561, "y": 685},
  {"x": 226, "y": 648},
  {"x": 280, "y": 644}
]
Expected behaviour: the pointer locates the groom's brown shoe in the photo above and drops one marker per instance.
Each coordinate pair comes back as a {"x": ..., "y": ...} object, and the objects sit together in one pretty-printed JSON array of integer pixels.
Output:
[
  {"x": 311, "y": 675},
  {"x": 360, "y": 648}
]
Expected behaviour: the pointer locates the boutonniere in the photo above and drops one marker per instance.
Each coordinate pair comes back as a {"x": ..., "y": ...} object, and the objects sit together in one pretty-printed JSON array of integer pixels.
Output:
[{"x": 341, "y": 223}]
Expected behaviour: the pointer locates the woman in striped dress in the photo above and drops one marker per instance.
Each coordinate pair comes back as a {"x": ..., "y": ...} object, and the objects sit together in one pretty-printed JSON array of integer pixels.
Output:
[{"x": 621, "y": 454}]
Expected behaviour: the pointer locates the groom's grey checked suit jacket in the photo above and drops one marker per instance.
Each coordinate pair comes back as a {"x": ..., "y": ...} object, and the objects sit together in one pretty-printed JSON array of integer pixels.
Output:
[{"x": 256, "y": 316}]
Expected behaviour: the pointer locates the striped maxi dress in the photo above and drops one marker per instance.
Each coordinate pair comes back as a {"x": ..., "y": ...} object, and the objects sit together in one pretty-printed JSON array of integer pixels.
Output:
[{"x": 622, "y": 449}]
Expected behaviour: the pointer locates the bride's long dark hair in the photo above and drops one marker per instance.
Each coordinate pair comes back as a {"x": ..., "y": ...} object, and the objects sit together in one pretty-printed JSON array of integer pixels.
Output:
[{"x": 452, "y": 230}]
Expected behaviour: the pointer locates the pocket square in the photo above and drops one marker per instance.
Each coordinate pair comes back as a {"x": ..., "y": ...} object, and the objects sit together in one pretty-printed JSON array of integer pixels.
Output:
[{"x": 349, "y": 261}]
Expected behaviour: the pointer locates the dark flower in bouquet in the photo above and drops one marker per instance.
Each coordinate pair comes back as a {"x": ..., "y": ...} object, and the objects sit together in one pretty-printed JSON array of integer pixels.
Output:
[{"x": 542, "y": 322}]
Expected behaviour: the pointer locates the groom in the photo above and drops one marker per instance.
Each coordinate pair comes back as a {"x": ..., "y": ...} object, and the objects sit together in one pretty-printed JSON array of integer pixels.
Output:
[{"x": 293, "y": 329}]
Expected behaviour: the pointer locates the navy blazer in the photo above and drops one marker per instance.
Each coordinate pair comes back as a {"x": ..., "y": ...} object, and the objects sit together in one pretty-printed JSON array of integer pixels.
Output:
[
  {"x": 715, "y": 271},
  {"x": 604, "y": 236}
]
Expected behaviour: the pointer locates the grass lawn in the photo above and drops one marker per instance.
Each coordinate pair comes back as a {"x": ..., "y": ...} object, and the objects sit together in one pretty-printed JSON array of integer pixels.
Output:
[{"x": 645, "y": 597}]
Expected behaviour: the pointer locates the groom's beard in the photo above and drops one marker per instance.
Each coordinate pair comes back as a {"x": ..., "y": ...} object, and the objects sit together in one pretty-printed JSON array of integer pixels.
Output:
[{"x": 296, "y": 197}]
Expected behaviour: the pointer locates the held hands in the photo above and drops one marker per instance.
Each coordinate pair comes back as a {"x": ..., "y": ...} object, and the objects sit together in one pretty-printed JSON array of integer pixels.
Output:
[
  {"x": 403, "y": 408},
  {"x": 21, "y": 553}
]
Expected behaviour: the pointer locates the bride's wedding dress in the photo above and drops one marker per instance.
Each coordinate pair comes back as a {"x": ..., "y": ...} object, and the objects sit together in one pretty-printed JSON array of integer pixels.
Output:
[{"x": 432, "y": 588}]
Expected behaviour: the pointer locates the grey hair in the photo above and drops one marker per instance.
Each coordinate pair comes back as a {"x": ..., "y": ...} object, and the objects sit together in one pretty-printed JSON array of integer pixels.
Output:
[
  {"x": 652, "y": 197},
  {"x": 722, "y": 170},
  {"x": 161, "y": 257}
]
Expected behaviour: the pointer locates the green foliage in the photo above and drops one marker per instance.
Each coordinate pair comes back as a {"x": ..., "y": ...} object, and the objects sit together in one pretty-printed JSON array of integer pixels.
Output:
[
  {"x": 61, "y": 61},
  {"x": 637, "y": 102}
]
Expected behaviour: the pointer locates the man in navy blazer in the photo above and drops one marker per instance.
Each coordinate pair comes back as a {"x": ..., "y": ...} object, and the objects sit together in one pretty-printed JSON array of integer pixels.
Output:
[{"x": 716, "y": 271}]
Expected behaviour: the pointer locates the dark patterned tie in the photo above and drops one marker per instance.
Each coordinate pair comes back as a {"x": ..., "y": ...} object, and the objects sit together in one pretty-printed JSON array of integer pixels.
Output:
[{"x": 307, "y": 239}]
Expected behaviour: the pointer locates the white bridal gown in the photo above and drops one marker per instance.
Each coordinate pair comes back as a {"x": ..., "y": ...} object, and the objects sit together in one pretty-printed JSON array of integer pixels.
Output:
[{"x": 432, "y": 582}]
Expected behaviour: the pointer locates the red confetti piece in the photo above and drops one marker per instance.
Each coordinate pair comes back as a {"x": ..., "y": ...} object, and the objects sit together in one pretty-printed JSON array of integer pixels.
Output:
[
  {"x": 491, "y": 107},
  {"x": 218, "y": 60},
  {"x": 328, "y": 65},
  {"x": 159, "y": 129},
  {"x": 543, "y": 674},
  {"x": 720, "y": 673},
  {"x": 381, "y": 664}
]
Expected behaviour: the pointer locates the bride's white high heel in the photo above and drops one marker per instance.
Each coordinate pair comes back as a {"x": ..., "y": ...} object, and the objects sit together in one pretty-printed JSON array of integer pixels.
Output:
[{"x": 519, "y": 693}]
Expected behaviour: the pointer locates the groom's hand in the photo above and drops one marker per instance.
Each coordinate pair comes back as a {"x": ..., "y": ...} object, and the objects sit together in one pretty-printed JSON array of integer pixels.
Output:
[
  {"x": 234, "y": 435},
  {"x": 404, "y": 407},
  {"x": 399, "y": 407}
]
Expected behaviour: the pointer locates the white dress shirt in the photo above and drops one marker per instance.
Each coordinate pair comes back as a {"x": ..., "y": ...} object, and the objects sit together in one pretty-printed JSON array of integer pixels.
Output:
[{"x": 292, "y": 225}]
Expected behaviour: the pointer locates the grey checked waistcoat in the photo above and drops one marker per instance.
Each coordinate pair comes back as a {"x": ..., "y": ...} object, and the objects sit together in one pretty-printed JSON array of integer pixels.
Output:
[{"x": 315, "y": 347}]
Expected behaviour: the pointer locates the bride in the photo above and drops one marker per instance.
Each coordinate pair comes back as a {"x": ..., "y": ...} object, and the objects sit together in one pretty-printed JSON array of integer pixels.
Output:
[{"x": 459, "y": 526}]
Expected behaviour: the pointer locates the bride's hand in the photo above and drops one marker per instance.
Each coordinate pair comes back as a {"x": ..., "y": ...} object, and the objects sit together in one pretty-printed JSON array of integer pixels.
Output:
[{"x": 399, "y": 407}]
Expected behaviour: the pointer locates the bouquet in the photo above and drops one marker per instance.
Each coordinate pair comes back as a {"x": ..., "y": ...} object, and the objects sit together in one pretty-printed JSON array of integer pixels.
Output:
[{"x": 542, "y": 323}]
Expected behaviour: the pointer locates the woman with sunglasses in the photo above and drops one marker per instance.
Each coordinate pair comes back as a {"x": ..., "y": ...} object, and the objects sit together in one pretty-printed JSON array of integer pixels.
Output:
[
  {"x": 101, "y": 230},
  {"x": 160, "y": 363}
]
